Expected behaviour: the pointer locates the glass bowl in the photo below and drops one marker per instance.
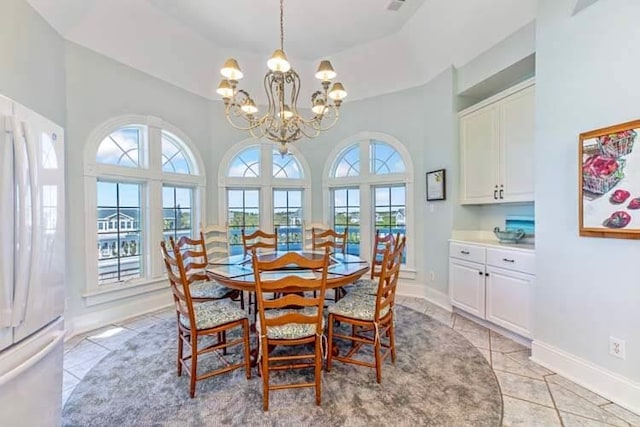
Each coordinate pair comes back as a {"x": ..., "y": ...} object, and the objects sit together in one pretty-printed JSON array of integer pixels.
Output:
[{"x": 508, "y": 236}]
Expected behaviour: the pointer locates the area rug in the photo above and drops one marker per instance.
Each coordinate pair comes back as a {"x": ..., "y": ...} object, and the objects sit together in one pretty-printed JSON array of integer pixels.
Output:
[{"x": 439, "y": 379}]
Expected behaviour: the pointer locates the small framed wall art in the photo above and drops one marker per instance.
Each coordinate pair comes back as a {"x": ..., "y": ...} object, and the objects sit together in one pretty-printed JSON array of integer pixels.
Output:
[
  {"x": 608, "y": 182},
  {"x": 436, "y": 185}
]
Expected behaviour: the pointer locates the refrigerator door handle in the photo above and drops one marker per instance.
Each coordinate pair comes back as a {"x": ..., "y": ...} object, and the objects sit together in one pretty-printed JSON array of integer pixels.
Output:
[
  {"x": 23, "y": 230},
  {"x": 7, "y": 229},
  {"x": 25, "y": 366},
  {"x": 33, "y": 257}
]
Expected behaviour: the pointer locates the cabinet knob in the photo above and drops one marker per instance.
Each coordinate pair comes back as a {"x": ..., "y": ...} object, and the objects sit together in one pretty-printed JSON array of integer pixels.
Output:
[
  {"x": 508, "y": 260},
  {"x": 464, "y": 252},
  {"x": 495, "y": 193},
  {"x": 501, "y": 193},
  {"x": 480, "y": 273},
  {"x": 486, "y": 274}
]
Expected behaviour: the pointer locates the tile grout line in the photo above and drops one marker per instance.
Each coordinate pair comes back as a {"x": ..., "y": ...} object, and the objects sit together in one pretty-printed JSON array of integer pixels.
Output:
[
  {"x": 72, "y": 374},
  {"x": 529, "y": 401},
  {"x": 553, "y": 400}
]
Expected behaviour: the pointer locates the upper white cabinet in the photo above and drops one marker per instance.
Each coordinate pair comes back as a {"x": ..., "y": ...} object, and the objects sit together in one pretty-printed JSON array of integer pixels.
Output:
[{"x": 496, "y": 148}]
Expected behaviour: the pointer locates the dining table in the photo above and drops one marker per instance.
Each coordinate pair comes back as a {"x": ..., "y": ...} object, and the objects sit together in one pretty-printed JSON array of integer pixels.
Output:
[{"x": 236, "y": 271}]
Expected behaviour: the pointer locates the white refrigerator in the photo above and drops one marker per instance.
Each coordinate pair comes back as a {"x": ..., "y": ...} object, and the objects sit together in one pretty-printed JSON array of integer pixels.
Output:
[{"x": 32, "y": 267}]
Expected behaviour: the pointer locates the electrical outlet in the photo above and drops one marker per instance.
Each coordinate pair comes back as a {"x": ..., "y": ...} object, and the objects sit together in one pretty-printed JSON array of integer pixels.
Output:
[{"x": 616, "y": 347}]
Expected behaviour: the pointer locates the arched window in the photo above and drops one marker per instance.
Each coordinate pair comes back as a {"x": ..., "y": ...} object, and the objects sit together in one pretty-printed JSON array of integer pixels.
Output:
[
  {"x": 277, "y": 202},
  {"x": 372, "y": 198},
  {"x": 348, "y": 164},
  {"x": 246, "y": 164},
  {"x": 143, "y": 183}
]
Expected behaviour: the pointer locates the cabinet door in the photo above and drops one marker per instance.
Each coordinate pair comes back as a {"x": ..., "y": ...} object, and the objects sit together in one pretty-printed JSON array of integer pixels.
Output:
[
  {"x": 479, "y": 154},
  {"x": 509, "y": 299},
  {"x": 517, "y": 133},
  {"x": 466, "y": 286}
]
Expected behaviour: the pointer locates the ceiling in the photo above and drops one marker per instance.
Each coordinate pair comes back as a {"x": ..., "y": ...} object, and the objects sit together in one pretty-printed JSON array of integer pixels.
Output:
[
  {"x": 313, "y": 29},
  {"x": 184, "y": 42}
]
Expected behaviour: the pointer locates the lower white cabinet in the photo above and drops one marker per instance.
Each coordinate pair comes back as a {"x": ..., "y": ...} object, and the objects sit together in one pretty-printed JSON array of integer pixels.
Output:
[{"x": 493, "y": 283}]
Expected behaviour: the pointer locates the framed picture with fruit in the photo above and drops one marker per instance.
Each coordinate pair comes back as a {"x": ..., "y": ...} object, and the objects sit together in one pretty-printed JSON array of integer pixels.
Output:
[{"x": 609, "y": 179}]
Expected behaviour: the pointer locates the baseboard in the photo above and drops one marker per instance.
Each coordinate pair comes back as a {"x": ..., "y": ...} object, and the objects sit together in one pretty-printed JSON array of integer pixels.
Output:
[
  {"x": 609, "y": 385},
  {"x": 420, "y": 290},
  {"x": 98, "y": 318}
]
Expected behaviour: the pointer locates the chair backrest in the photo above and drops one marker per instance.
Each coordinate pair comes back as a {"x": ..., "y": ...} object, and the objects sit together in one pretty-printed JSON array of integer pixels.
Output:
[
  {"x": 178, "y": 280},
  {"x": 303, "y": 274},
  {"x": 193, "y": 254},
  {"x": 331, "y": 239},
  {"x": 389, "y": 275},
  {"x": 308, "y": 233},
  {"x": 216, "y": 241},
  {"x": 259, "y": 240},
  {"x": 379, "y": 246}
]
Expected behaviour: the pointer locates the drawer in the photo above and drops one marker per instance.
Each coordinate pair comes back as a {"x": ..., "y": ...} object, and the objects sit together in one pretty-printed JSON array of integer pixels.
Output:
[
  {"x": 511, "y": 260},
  {"x": 467, "y": 252}
]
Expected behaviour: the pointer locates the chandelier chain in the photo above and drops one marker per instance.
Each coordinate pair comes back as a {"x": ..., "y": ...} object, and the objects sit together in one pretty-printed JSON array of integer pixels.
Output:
[{"x": 282, "y": 25}]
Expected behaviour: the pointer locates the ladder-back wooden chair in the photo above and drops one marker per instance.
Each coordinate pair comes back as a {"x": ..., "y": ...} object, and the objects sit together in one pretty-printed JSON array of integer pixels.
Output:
[
  {"x": 281, "y": 325},
  {"x": 308, "y": 233},
  {"x": 261, "y": 241},
  {"x": 216, "y": 244},
  {"x": 336, "y": 243},
  {"x": 370, "y": 317},
  {"x": 194, "y": 255},
  {"x": 369, "y": 285},
  {"x": 205, "y": 319}
]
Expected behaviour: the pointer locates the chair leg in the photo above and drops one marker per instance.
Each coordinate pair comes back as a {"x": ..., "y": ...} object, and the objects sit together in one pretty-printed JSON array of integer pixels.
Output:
[
  {"x": 223, "y": 336},
  {"x": 318, "y": 367},
  {"x": 242, "y": 300},
  {"x": 194, "y": 366},
  {"x": 330, "y": 343},
  {"x": 378, "y": 361},
  {"x": 354, "y": 328},
  {"x": 180, "y": 350},
  {"x": 247, "y": 359},
  {"x": 392, "y": 341},
  {"x": 265, "y": 374}
]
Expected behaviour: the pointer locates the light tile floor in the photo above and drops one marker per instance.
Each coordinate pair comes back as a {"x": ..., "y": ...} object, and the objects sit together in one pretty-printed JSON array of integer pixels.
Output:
[{"x": 532, "y": 395}]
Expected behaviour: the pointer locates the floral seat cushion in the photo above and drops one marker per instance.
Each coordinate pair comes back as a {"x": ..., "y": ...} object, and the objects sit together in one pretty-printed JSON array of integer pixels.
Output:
[
  {"x": 210, "y": 314},
  {"x": 358, "y": 306},
  {"x": 364, "y": 286},
  {"x": 208, "y": 289},
  {"x": 289, "y": 331}
]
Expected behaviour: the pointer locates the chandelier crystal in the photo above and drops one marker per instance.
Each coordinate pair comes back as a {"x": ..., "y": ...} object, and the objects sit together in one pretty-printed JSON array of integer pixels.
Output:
[{"x": 281, "y": 122}]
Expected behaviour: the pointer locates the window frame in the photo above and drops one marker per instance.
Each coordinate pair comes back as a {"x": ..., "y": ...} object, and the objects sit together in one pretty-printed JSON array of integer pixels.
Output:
[
  {"x": 152, "y": 179},
  {"x": 265, "y": 183},
  {"x": 367, "y": 182}
]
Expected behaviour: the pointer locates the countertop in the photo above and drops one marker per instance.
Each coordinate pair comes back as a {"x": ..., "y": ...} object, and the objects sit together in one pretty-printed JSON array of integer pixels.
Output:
[{"x": 487, "y": 238}]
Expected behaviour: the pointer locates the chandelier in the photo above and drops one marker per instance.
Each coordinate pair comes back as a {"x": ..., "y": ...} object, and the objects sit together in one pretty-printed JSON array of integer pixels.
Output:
[{"x": 281, "y": 122}]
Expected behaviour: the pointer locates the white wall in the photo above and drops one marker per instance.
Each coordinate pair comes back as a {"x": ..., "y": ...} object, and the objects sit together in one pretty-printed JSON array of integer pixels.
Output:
[
  {"x": 32, "y": 61},
  {"x": 99, "y": 89},
  {"x": 587, "y": 289}
]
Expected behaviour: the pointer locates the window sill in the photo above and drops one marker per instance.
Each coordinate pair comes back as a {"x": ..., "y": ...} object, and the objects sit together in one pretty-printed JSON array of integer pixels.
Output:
[{"x": 114, "y": 292}]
